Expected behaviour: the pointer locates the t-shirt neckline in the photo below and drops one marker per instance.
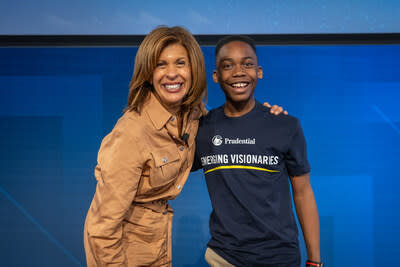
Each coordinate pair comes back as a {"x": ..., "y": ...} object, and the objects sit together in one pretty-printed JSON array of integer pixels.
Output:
[{"x": 244, "y": 116}]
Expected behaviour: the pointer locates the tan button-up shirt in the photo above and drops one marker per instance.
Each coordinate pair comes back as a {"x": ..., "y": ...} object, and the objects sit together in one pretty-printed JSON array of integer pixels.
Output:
[{"x": 142, "y": 160}]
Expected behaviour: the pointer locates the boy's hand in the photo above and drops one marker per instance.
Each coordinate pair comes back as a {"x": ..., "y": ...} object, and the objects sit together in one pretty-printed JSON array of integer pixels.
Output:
[{"x": 275, "y": 109}]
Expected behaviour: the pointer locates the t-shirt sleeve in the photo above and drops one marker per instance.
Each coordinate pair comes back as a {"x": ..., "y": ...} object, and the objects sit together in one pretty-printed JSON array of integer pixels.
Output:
[
  {"x": 196, "y": 162},
  {"x": 296, "y": 158}
]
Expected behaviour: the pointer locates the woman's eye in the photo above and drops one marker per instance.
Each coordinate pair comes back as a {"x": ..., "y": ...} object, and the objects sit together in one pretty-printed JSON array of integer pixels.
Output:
[
  {"x": 160, "y": 64},
  {"x": 181, "y": 63}
]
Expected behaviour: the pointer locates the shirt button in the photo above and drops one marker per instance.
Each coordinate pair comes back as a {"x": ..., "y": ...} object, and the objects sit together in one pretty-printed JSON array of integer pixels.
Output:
[
  {"x": 172, "y": 118},
  {"x": 179, "y": 186},
  {"x": 174, "y": 137},
  {"x": 164, "y": 160},
  {"x": 181, "y": 148}
]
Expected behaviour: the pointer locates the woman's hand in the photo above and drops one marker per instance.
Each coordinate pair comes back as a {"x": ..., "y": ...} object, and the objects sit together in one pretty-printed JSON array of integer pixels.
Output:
[{"x": 275, "y": 109}]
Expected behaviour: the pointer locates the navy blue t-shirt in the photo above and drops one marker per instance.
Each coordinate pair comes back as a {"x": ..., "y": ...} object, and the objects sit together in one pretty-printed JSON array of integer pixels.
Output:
[{"x": 247, "y": 161}]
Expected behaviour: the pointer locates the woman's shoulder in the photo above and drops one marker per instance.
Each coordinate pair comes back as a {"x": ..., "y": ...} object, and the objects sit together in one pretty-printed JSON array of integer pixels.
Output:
[{"x": 130, "y": 122}]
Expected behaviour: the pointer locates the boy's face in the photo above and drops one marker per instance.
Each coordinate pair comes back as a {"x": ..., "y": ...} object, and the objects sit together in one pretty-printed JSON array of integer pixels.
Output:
[{"x": 237, "y": 71}]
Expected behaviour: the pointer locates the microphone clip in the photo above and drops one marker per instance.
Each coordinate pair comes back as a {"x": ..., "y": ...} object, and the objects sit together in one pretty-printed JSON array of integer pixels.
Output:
[{"x": 185, "y": 137}]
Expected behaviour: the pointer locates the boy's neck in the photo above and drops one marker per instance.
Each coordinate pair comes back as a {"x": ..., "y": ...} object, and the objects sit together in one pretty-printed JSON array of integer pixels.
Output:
[{"x": 237, "y": 109}]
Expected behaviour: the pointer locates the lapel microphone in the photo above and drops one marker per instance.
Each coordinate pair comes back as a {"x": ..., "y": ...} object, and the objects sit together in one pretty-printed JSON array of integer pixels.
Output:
[{"x": 185, "y": 137}]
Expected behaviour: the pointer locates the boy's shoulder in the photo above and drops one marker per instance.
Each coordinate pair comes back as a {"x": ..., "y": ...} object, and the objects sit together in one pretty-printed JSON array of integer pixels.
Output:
[
  {"x": 211, "y": 115},
  {"x": 281, "y": 119}
]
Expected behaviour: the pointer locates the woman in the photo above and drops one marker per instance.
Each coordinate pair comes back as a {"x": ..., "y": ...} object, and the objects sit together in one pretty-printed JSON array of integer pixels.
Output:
[{"x": 147, "y": 157}]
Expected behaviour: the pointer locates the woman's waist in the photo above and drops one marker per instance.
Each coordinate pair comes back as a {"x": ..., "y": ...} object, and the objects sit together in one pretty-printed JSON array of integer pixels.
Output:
[{"x": 140, "y": 210}]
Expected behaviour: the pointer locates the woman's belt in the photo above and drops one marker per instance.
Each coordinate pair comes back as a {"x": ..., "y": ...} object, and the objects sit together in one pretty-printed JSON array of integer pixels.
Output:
[{"x": 160, "y": 205}]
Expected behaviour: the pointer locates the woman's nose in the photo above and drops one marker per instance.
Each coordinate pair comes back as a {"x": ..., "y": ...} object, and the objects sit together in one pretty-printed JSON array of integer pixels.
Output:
[{"x": 172, "y": 72}]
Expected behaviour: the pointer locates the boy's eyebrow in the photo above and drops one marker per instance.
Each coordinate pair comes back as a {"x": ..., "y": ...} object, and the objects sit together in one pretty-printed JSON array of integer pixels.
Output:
[
  {"x": 231, "y": 59},
  {"x": 226, "y": 58},
  {"x": 249, "y": 57}
]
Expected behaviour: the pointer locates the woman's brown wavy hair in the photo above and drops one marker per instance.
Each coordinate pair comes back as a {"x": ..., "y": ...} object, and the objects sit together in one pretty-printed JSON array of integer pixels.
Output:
[{"x": 145, "y": 63}]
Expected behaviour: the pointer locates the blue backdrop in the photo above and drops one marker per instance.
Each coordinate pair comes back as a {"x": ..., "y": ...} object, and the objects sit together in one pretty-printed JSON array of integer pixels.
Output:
[{"x": 56, "y": 105}]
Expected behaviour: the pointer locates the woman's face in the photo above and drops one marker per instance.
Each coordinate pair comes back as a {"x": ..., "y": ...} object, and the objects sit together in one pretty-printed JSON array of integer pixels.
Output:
[{"x": 172, "y": 77}]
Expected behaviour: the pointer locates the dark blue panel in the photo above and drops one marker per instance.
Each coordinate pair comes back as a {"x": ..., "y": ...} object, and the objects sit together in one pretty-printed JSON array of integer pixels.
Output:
[{"x": 32, "y": 193}]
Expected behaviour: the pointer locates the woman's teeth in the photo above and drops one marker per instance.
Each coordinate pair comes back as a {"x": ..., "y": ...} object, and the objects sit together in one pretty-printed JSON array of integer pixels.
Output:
[{"x": 172, "y": 86}]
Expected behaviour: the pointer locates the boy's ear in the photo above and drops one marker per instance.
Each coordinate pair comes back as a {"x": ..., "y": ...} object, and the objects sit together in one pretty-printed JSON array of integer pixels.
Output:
[
  {"x": 259, "y": 72},
  {"x": 215, "y": 76}
]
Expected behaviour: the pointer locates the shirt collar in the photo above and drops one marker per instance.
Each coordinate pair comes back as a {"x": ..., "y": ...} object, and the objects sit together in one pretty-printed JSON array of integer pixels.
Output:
[{"x": 158, "y": 115}]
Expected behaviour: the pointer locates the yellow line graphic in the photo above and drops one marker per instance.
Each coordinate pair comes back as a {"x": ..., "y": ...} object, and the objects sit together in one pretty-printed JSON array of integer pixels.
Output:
[{"x": 239, "y": 167}]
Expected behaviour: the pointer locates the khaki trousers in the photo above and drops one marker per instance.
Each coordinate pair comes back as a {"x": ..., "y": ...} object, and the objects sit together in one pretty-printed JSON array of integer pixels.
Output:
[{"x": 215, "y": 260}]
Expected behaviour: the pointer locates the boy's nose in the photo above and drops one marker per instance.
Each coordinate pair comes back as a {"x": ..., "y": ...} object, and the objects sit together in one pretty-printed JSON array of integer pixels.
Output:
[{"x": 238, "y": 70}]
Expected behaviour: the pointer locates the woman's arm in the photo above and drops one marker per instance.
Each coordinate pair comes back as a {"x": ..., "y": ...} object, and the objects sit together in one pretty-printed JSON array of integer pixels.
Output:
[
  {"x": 118, "y": 173},
  {"x": 275, "y": 109}
]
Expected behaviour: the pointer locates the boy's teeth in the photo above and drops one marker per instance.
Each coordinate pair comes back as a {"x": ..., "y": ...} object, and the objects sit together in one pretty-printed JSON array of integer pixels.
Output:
[
  {"x": 239, "y": 85},
  {"x": 172, "y": 86}
]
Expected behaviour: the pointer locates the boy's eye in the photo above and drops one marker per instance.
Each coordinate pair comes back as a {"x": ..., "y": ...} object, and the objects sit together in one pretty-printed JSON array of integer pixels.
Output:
[
  {"x": 226, "y": 66},
  {"x": 248, "y": 64}
]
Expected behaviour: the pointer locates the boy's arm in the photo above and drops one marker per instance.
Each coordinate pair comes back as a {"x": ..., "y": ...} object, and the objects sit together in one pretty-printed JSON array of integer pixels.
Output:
[{"x": 307, "y": 213}]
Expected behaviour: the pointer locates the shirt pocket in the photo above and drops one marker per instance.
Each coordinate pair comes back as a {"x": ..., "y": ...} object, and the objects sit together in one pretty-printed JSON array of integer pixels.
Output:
[{"x": 167, "y": 164}]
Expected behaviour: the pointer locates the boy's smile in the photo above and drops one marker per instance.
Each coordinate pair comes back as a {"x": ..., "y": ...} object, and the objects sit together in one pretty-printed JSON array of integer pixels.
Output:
[{"x": 237, "y": 73}]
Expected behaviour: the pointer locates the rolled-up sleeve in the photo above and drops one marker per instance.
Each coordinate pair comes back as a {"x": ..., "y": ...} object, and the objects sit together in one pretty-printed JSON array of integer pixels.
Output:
[{"x": 118, "y": 173}]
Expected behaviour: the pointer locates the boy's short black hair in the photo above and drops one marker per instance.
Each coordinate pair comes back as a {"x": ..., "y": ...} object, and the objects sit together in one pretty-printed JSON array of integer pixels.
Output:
[{"x": 232, "y": 38}]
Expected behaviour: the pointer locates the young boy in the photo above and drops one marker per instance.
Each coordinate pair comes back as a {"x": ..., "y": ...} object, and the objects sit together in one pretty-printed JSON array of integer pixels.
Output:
[{"x": 247, "y": 155}]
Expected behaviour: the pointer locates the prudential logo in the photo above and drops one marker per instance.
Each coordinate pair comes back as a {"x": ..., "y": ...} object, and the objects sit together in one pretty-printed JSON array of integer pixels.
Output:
[{"x": 217, "y": 140}]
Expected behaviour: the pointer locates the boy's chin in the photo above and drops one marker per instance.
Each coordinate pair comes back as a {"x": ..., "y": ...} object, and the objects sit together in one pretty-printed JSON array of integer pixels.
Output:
[{"x": 240, "y": 98}]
